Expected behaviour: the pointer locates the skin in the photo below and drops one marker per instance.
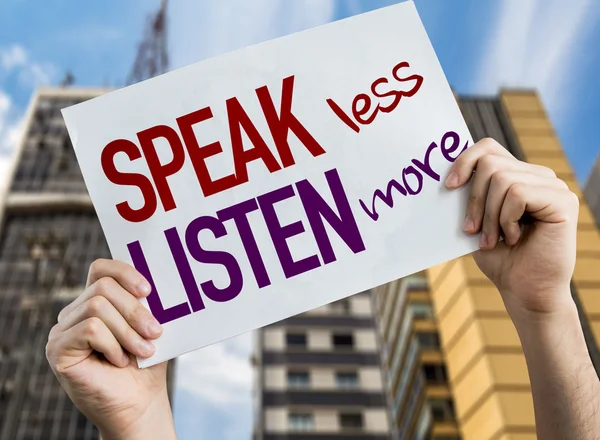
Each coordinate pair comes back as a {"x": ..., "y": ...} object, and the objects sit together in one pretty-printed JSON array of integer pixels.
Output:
[{"x": 527, "y": 221}]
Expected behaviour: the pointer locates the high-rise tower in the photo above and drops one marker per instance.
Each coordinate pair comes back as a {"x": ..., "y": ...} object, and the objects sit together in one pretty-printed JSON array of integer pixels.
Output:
[
  {"x": 49, "y": 235},
  {"x": 318, "y": 375}
]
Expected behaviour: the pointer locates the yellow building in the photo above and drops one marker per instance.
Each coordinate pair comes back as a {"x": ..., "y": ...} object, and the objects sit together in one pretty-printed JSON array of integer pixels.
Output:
[{"x": 454, "y": 364}]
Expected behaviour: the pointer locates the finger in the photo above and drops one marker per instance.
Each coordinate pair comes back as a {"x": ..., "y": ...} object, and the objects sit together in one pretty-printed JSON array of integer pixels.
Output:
[
  {"x": 80, "y": 341},
  {"x": 499, "y": 184},
  {"x": 123, "y": 273},
  {"x": 464, "y": 165},
  {"x": 138, "y": 317},
  {"x": 487, "y": 166},
  {"x": 100, "y": 307},
  {"x": 548, "y": 205}
]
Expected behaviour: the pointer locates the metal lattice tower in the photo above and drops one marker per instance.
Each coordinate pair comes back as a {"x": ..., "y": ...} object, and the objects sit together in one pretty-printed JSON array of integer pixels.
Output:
[{"x": 152, "y": 57}]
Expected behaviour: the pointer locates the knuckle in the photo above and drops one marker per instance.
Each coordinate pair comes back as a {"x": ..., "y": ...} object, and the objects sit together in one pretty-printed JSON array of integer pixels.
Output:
[
  {"x": 491, "y": 145},
  {"x": 563, "y": 185},
  {"x": 53, "y": 334},
  {"x": 63, "y": 312},
  {"x": 96, "y": 266},
  {"x": 92, "y": 326},
  {"x": 487, "y": 163},
  {"x": 95, "y": 305},
  {"x": 574, "y": 199},
  {"x": 104, "y": 284},
  {"x": 49, "y": 351},
  {"x": 51, "y": 342},
  {"x": 546, "y": 171},
  {"x": 516, "y": 191},
  {"x": 500, "y": 179}
]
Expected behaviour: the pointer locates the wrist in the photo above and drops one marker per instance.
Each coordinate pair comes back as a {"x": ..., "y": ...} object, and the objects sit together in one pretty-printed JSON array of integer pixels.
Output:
[
  {"x": 539, "y": 308},
  {"x": 156, "y": 422},
  {"x": 543, "y": 328}
]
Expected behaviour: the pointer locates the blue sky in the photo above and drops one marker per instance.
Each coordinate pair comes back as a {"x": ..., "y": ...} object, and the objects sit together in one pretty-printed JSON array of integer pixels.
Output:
[{"x": 550, "y": 45}]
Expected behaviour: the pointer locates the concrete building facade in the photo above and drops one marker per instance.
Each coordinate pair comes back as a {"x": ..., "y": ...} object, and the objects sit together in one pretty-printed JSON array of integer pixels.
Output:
[
  {"x": 420, "y": 402},
  {"x": 318, "y": 375},
  {"x": 49, "y": 235}
]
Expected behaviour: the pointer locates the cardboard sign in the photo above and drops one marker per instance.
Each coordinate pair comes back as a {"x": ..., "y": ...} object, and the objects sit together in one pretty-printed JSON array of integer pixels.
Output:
[{"x": 272, "y": 180}]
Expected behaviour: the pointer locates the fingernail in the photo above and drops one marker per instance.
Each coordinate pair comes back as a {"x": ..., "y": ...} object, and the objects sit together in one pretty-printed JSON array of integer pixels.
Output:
[
  {"x": 154, "y": 327},
  {"x": 144, "y": 287},
  {"x": 468, "y": 224},
  {"x": 483, "y": 240},
  {"x": 146, "y": 347},
  {"x": 452, "y": 180}
]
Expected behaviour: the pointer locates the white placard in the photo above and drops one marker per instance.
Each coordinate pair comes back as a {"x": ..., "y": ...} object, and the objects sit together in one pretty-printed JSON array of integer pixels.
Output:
[{"x": 275, "y": 179}]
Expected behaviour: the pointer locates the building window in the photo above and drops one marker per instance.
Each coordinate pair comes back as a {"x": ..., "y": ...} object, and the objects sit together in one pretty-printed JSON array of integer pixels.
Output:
[
  {"x": 301, "y": 422},
  {"x": 421, "y": 310},
  {"x": 435, "y": 374},
  {"x": 341, "y": 307},
  {"x": 442, "y": 409},
  {"x": 343, "y": 341},
  {"x": 298, "y": 379},
  {"x": 346, "y": 380},
  {"x": 351, "y": 421},
  {"x": 296, "y": 340},
  {"x": 428, "y": 340}
]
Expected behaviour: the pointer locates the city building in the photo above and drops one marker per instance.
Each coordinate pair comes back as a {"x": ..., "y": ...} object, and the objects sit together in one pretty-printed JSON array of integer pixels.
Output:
[
  {"x": 49, "y": 235},
  {"x": 451, "y": 361},
  {"x": 420, "y": 401},
  {"x": 318, "y": 375},
  {"x": 592, "y": 191}
]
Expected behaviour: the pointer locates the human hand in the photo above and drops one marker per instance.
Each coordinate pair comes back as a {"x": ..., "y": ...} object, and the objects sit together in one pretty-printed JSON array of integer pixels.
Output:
[
  {"x": 91, "y": 351},
  {"x": 534, "y": 213}
]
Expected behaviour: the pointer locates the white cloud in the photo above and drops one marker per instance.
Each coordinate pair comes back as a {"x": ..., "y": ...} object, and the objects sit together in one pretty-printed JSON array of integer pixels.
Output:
[
  {"x": 5, "y": 104},
  {"x": 220, "y": 374},
  {"x": 30, "y": 72},
  {"x": 10, "y": 127},
  {"x": 10, "y": 134},
  {"x": 15, "y": 60},
  {"x": 206, "y": 29},
  {"x": 12, "y": 57},
  {"x": 4, "y": 166},
  {"x": 534, "y": 44}
]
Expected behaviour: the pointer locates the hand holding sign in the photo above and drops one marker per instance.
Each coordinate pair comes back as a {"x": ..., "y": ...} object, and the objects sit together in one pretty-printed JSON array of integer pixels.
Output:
[
  {"x": 122, "y": 400},
  {"x": 532, "y": 267}
]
